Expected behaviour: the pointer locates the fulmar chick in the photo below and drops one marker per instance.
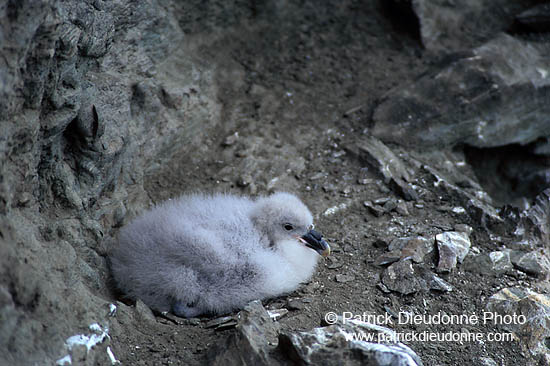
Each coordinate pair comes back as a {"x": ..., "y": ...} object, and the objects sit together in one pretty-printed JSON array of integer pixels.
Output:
[{"x": 215, "y": 253}]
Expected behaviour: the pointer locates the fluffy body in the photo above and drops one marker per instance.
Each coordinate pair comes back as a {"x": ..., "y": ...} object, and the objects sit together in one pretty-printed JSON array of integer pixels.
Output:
[{"x": 213, "y": 253}]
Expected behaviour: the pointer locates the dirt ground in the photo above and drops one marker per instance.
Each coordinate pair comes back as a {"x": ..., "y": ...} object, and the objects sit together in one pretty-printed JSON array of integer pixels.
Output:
[{"x": 298, "y": 98}]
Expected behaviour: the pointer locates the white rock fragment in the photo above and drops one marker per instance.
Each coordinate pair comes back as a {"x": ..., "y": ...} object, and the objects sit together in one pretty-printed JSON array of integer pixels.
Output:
[
  {"x": 459, "y": 210},
  {"x": 277, "y": 313},
  {"x": 64, "y": 361},
  {"x": 98, "y": 336},
  {"x": 453, "y": 246},
  {"x": 112, "y": 310},
  {"x": 112, "y": 357},
  {"x": 334, "y": 209}
]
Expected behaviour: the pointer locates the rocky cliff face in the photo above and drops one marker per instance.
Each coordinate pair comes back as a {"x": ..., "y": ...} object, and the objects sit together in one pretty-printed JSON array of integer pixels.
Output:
[
  {"x": 109, "y": 106},
  {"x": 94, "y": 95}
]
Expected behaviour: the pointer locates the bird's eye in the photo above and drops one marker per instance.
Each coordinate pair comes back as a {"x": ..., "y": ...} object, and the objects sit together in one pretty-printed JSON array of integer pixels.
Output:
[{"x": 288, "y": 227}]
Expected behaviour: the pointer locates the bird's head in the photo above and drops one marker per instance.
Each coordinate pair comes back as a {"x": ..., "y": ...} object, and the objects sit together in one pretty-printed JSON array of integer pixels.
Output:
[{"x": 282, "y": 217}]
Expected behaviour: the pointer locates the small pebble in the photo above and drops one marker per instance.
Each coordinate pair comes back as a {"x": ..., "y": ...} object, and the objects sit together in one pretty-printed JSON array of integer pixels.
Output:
[
  {"x": 376, "y": 210},
  {"x": 24, "y": 199},
  {"x": 231, "y": 139},
  {"x": 402, "y": 208},
  {"x": 229, "y": 325},
  {"x": 381, "y": 200},
  {"x": 277, "y": 314},
  {"x": 329, "y": 187},
  {"x": 216, "y": 322},
  {"x": 342, "y": 278},
  {"x": 463, "y": 228},
  {"x": 334, "y": 265},
  {"x": 243, "y": 182},
  {"x": 389, "y": 206},
  {"x": 383, "y": 188},
  {"x": 317, "y": 176},
  {"x": 295, "y": 304},
  {"x": 193, "y": 321},
  {"x": 383, "y": 288}
]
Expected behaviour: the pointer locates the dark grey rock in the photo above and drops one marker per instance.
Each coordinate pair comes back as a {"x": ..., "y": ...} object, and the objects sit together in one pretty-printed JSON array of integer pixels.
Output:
[
  {"x": 533, "y": 225},
  {"x": 535, "y": 263},
  {"x": 383, "y": 188},
  {"x": 512, "y": 174},
  {"x": 436, "y": 283},
  {"x": 401, "y": 277},
  {"x": 119, "y": 215},
  {"x": 254, "y": 341},
  {"x": 443, "y": 24},
  {"x": 376, "y": 210},
  {"x": 8, "y": 313},
  {"x": 389, "y": 206},
  {"x": 536, "y": 19},
  {"x": 389, "y": 165},
  {"x": 295, "y": 304},
  {"x": 388, "y": 258},
  {"x": 476, "y": 202},
  {"x": 497, "y": 262},
  {"x": 143, "y": 313},
  {"x": 494, "y": 96},
  {"x": 251, "y": 343},
  {"x": 312, "y": 348},
  {"x": 380, "y": 243},
  {"x": 404, "y": 189},
  {"x": 402, "y": 208}
]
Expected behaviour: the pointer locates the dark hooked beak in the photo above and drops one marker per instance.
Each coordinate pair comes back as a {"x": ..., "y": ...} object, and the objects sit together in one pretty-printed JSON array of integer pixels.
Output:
[{"x": 314, "y": 240}]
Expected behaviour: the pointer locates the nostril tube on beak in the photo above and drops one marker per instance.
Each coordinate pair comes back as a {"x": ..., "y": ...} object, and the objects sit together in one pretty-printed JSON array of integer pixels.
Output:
[{"x": 314, "y": 240}]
